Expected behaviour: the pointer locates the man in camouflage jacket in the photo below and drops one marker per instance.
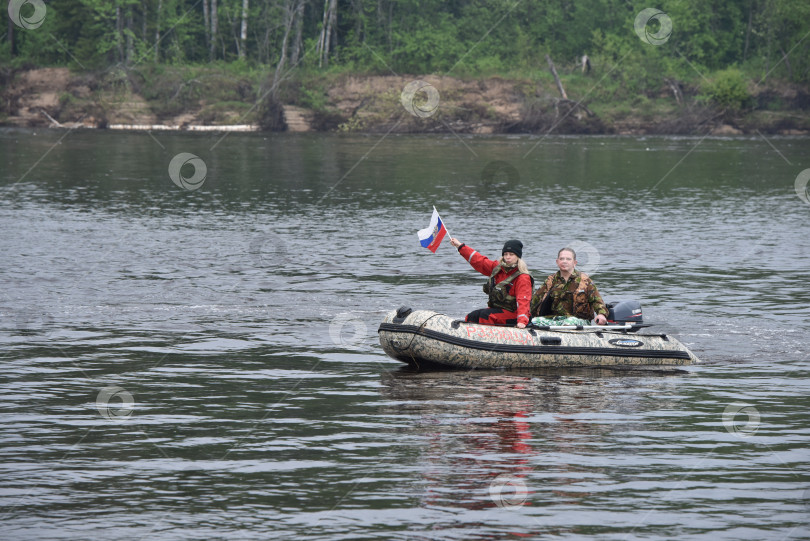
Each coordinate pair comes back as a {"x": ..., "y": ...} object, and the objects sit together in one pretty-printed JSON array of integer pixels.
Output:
[{"x": 569, "y": 292}]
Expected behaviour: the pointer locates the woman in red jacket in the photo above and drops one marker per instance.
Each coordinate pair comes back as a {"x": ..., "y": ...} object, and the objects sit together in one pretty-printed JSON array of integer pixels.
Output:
[{"x": 509, "y": 285}]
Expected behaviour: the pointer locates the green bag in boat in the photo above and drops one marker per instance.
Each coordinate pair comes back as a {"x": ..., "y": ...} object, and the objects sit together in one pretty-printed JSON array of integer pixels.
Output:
[{"x": 559, "y": 321}]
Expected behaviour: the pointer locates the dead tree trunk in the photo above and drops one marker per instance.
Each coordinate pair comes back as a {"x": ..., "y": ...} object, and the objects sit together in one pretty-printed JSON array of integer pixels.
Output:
[
  {"x": 297, "y": 44},
  {"x": 130, "y": 46},
  {"x": 676, "y": 89},
  {"x": 787, "y": 63},
  {"x": 12, "y": 42},
  {"x": 214, "y": 25},
  {"x": 327, "y": 29},
  {"x": 556, "y": 77},
  {"x": 157, "y": 31},
  {"x": 748, "y": 30},
  {"x": 206, "y": 24},
  {"x": 144, "y": 19},
  {"x": 119, "y": 31},
  {"x": 290, "y": 13},
  {"x": 243, "y": 32},
  {"x": 586, "y": 65}
]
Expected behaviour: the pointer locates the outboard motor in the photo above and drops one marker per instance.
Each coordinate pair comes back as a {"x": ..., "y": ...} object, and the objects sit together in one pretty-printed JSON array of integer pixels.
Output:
[{"x": 624, "y": 312}]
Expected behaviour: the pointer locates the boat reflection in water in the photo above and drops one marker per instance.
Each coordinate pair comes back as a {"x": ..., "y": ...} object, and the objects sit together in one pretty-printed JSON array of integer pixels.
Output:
[{"x": 520, "y": 439}]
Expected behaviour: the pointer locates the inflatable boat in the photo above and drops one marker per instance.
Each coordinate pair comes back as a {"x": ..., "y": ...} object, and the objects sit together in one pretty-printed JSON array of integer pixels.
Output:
[{"x": 424, "y": 339}]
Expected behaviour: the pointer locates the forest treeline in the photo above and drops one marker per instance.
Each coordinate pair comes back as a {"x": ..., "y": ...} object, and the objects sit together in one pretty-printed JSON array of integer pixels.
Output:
[{"x": 764, "y": 38}]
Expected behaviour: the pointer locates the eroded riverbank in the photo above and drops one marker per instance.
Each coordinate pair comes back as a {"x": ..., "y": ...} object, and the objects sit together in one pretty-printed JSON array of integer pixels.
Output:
[{"x": 215, "y": 101}]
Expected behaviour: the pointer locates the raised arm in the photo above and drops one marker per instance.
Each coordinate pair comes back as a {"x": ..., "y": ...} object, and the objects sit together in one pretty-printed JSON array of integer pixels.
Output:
[{"x": 474, "y": 258}]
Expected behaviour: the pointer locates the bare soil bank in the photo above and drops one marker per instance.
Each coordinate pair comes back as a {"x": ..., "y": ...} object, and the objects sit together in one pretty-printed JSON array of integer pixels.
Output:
[{"x": 57, "y": 97}]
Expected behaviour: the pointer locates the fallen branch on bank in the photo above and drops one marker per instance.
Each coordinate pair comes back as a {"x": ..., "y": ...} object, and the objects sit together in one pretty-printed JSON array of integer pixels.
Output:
[{"x": 54, "y": 122}]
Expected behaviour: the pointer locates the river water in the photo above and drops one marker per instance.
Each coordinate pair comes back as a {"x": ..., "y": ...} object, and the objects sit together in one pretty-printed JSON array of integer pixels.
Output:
[{"x": 203, "y": 363}]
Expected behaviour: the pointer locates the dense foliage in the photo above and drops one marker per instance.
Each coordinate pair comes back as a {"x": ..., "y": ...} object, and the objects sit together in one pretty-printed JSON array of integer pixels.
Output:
[{"x": 764, "y": 38}]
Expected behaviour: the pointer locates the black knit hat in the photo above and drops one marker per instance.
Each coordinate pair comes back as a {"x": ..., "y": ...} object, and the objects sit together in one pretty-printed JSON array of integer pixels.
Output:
[{"x": 514, "y": 246}]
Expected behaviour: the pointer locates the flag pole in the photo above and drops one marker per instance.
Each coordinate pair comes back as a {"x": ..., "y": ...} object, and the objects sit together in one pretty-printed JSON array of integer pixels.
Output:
[{"x": 443, "y": 223}]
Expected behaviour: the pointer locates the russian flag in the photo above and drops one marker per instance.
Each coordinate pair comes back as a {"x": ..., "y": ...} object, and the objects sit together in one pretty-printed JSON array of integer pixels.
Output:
[{"x": 432, "y": 235}]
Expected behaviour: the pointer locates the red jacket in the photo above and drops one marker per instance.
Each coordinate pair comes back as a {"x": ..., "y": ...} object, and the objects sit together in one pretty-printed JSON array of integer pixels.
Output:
[{"x": 521, "y": 287}]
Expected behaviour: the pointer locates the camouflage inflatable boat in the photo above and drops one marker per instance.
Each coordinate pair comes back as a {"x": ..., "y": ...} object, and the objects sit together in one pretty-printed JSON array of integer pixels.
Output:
[{"x": 423, "y": 338}]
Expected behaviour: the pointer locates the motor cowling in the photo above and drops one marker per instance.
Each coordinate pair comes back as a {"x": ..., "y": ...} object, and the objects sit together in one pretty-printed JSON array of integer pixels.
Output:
[{"x": 624, "y": 312}]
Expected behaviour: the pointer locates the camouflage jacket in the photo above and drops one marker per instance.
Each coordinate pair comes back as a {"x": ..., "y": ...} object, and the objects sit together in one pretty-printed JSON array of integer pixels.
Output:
[{"x": 576, "y": 297}]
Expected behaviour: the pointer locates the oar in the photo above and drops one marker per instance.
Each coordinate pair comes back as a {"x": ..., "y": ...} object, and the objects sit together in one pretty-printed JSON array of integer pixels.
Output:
[{"x": 625, "y": 327}]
